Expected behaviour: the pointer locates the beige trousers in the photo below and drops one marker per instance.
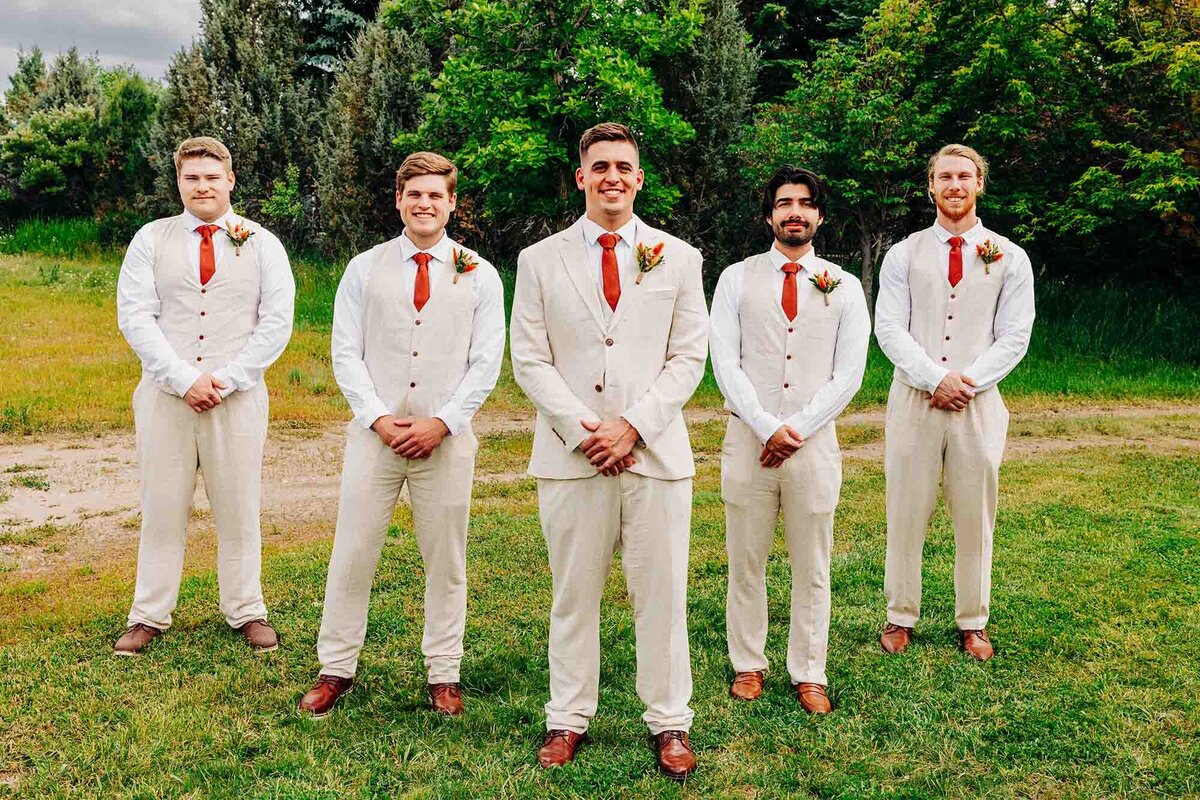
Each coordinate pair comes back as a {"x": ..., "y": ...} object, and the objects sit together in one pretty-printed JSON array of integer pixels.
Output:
[
  {"x": 226, "y": 445},
  {"x": 585, "y": 522},
  {"x": 963, "y": 449},
  {"x": 440, "y": 489},
  {"x": 805, "y": 489}
]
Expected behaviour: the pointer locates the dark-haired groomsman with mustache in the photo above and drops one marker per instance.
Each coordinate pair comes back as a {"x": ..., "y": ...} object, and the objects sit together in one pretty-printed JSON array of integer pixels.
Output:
[
  {"x": 788, "y": 337},
  {"x": 954, "y": 314}
]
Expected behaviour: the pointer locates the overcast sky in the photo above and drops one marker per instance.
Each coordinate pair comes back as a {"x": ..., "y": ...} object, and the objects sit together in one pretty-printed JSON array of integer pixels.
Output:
[{"x": 144, "y": 33}]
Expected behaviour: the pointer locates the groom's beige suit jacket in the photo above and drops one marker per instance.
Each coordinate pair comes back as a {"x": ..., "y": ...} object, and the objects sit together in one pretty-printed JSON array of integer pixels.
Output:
[{"x": 578, "y": 360}]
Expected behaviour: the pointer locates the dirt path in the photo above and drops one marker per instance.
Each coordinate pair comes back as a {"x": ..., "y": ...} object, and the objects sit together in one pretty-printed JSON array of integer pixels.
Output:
[{"x": 74, "y": 501}]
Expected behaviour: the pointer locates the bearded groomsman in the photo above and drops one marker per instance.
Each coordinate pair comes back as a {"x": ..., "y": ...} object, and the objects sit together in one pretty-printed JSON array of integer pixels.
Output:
[
  {"x": 788, "y": 356},
  {"x": 954, "y": 314},
  {"x": 418, "y": 336},
  {"x": 608, "y": 341},
  {"x": 205, "y": 299}
]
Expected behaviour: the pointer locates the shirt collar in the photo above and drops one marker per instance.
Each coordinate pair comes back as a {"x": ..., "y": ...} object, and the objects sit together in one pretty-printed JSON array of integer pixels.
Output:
[
  {"x": 628, "y": 232},
  {"x": 440, "y": 251},
  {"x": 975, "y": 233},
  {"x": 191, "y": 221},
  {"x": 808, "y": 261}
]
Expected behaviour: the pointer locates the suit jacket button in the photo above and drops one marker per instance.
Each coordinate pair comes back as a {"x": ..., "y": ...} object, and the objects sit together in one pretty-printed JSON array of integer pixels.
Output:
[
  {"x": 412, "y": 385},
  {"x": 599, "y": 388},
  {"x": 786, "y": 385},
  {"x": 608, "y": 342}
]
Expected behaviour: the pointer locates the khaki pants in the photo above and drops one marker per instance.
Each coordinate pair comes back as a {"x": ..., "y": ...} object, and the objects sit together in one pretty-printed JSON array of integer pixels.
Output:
[
  {"x": 963, "y": 449},
  {"x": 226, "y": 445},
  {"x": 805, "y": 489},
  {"x": 440, "y": 489},
  {"x": 585, "y": 522}
]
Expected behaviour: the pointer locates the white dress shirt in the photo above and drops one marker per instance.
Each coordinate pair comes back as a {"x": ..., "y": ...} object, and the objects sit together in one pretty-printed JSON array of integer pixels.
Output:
[
  {"x": 626, "y": 263},
  {"x": 487, "y": 335},
  {"x": 138, "y": 308},
  {"x": 850, "y": 353},
  {"x": 1012, "y": 327}
]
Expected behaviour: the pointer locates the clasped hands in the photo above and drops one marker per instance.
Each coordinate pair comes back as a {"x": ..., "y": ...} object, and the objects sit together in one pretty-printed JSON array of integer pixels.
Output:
[
  {"x": 610, "y": 445},
  {"x": 205, "y": 394},
  {"x": 782, "y": 445},
  {"x": 411, "y": 437},
  {"x": 953, "y": 393}
]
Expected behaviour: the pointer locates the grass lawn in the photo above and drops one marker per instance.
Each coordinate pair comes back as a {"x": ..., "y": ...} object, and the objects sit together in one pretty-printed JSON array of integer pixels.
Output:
[{"x": 1093, "y": 691}]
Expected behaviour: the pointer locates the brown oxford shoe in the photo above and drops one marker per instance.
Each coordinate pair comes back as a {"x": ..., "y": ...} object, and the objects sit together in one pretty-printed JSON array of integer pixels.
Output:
[
  {"x": 895, "y": 638},
  {"x": 323, "y": 696},
  {"x": 813, "y": 698},
  {"x": 446, "y": 698},
  {"x": 260, "y": 636},
  {"x": 135, "y": 639},
  {"x": 559, "y": 747},
  {"x": 976, "y": 644},
  {"x": 675, "y": 757},
  {"x": 747, "y": 686}
]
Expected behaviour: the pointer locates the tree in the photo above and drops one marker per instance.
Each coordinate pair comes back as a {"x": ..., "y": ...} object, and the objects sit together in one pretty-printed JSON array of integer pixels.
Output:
[
  {"x": 48, "y": 164},
  {"x": 376, "y": 96},
  {"x": 330, "y": 29},
  {"x": 72, "y": 81},
  {"x": 25, "y": 85}
]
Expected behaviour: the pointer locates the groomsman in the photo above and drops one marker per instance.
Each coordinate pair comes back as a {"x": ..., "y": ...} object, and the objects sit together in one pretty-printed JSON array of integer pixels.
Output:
[
  {"x": 788, "y": 357},
  {"x": 954, "y": 314},
  {"x": 608, "y": 341},
  {"x": 418, "y": 336},
  {"x": 205, "y": 299}
]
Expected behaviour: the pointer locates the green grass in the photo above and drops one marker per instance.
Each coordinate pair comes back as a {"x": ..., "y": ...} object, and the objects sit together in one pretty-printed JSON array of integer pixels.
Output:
[{"x": 1093, "y": 693}]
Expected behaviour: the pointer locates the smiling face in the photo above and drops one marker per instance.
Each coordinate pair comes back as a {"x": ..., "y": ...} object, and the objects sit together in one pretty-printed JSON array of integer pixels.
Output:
[
  {"x": 794, "y": 216},
  {"x": 204, "y": 187},
  {"x": 425, "y": 203},
  {"x": 610, "y": 179},
  {"x": 955, "y": 182}
]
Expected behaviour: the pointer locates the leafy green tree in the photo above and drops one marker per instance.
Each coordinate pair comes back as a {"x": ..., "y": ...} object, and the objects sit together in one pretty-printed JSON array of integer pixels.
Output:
[
  {"x": 48, "y": 165},
  {"x": 25, "y": 85},
  {"x": 72, "y": 81}
]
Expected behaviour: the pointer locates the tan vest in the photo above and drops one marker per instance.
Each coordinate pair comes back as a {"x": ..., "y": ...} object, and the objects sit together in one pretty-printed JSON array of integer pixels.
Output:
[
  {"x": 785, "y": 385},
  {"x": 206, "y": 325},
  {"x": 416, "y": 360},
  {"x": 953, "y": 324}
]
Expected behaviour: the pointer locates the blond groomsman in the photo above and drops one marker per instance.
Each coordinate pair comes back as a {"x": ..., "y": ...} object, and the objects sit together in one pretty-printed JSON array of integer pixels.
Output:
[
  {"x": 418, "y": 336},
  {"x": 788, "y": 358},
  {"x": 608, "y": 341},
  {"x": 205, "y": 299},
  {"x": 954, "y": 314}
]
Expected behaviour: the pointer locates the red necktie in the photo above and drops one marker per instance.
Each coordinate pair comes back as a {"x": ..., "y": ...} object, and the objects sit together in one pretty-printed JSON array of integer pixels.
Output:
[
  {"x": 789, "y": 289},
  {"x": 208, "y": 259},
  {"x": 956, "y": 243},
  {"x": 421, "y": 284},
  {"x": 608, "y": 267}
]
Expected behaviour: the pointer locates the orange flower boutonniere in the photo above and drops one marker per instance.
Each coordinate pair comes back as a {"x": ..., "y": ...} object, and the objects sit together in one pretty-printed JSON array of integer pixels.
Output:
[
  {"x": 648, "y": 258},
  {"x": 825, "y": 283},
  {"x": 238, "y": 234},
  {"x": 989, "y": 254},
  {"x": 463, "y": 262}
]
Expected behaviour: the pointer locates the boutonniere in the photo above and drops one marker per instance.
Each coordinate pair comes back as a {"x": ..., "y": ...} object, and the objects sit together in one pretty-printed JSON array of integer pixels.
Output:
[
  {"x": 648, "y": 258},
  {"x": 825, "y": 284},
  {"x": 989, "y": 254},
  {"x": 238, "y": 234},
  {"x": 464, "y": 262}
]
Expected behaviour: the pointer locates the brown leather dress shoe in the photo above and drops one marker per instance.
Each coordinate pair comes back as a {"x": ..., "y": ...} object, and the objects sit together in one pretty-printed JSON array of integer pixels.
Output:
[
  {"x": 261, "y": 636},
  {"x": 813, "y": 699},
  {"x": 675, "y": 757},
  {"x": 747, "y": 686},
  {"x": 895, "y": 638},
  {"x": 323, "y": 696},
  {"x": 135, "y": 638},
  {"x": 976, "y": 644},
  {"x": 559, "y": 747},
  {"x": 446, "y": 698}
]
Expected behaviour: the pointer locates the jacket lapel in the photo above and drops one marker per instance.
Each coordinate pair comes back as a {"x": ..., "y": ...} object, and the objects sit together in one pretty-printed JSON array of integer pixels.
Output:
[
  {"x": 575, "y": 260},
  {"x": 634, "y": 293}
]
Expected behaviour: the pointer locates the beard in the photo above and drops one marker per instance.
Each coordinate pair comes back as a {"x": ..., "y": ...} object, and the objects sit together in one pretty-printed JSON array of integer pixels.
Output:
[
  {"x": 954, "y": 213},
  {"x": 790, "y": 239}
]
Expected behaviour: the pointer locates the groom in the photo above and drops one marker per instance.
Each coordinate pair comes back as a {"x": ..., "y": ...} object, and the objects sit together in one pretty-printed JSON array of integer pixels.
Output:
[{"x": 608, "y": 341}]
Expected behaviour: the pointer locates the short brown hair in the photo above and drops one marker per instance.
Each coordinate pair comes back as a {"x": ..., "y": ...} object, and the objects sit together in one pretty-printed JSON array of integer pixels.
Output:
[
  {"x": 606, "y": 132},
  {"x": 962, "y": 150},
  {"x": 427, "y": 163},
  {"x": 203, "y": 147}
]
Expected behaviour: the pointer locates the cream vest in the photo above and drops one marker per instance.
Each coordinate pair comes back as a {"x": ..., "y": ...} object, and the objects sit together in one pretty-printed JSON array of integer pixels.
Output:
[
  {"x": 953, "y": 324},
  {"x": 206, "y": 325},
  {"x": 785, "y": 384},
  {"x": 416, "y": 360}
]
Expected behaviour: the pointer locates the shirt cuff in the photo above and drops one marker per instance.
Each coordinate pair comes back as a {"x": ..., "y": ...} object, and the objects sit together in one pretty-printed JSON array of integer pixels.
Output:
[
  {"x": 182, "y": 378},
  {"x": 455, "y": 420},
  {"x": 231, "y": 386},
  {"x": 764, "y": 426},
  {"x": 372, "y": 410}
]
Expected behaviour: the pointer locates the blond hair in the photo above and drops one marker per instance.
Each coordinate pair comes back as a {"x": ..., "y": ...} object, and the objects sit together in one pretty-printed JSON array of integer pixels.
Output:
[
  {"x": 426, "y": 163},
  {"x": 203, "y": 147},
  {"x": 969, "y": 153}
]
